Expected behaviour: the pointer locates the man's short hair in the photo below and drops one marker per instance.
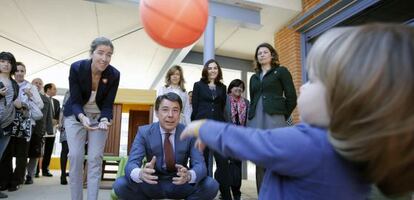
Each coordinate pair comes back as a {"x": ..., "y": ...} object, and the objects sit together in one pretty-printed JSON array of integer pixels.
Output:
[
  {"x": 47, "y": 87},
  {"x": 171, "y": 96}
]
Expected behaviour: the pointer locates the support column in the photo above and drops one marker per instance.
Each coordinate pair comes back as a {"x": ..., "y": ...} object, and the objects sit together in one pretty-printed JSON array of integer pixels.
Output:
[{"x": 209, "y": 39}]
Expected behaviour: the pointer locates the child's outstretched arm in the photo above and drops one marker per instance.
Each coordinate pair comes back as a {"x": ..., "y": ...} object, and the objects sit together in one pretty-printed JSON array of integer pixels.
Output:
[{"x": 289, "y": 151}]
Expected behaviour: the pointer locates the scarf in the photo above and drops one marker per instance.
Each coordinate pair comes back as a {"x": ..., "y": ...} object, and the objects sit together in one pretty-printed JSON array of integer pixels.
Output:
[{"x": 238, "y": 110}]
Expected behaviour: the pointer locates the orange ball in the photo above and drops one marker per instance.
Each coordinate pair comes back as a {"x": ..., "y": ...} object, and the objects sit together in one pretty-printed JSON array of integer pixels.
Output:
[{"x": 174, "y": 23}]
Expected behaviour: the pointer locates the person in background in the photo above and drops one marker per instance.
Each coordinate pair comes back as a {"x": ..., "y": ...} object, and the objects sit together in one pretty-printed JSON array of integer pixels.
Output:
[
  {"x": 190, "y": 97},
  {"x": 38, "y": 131},
  {"x": 63, "y": 140},
  {"x": 209, "y": 99},
  {"x": 190, "y": 101},
  {"x": 272, "y": 95},
  {"x": 50, "y": 91},
  {"x": 236, "y": 111},
  {"x": 93, "y": 84},
  {"x": 9, "y": 91},
  {"x": 174, "y": 82},
  {"x": 357, "y": 118},
  {"x": 18, "y": 147},
  {"x": 166, "y": 174}
]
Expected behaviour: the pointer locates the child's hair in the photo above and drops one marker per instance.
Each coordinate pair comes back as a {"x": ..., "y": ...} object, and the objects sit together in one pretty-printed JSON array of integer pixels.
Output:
[
  {"x": 368, "y": 72},
  {"x": 170, "y": 72}
]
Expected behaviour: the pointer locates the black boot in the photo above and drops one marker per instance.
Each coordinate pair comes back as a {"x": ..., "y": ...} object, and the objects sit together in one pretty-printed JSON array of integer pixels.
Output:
[
  {"x": 3, "y": 196},
  {"x": 63, "y": 180},
  {"x": 29, "y": 180}
]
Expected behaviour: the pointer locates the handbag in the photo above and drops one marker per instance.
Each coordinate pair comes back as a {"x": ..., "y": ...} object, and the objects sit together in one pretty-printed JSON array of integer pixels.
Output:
[
  {"x": 22, "y": 124},
  {"x": 35, "y": 111}
]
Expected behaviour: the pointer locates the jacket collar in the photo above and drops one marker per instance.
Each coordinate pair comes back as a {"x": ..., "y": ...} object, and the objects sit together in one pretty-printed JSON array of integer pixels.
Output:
[{"x": 257, "y": 74}]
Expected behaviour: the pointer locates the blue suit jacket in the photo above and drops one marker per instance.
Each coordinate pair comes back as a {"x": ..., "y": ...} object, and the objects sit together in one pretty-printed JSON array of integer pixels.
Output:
[
  {"x": 148, "y": 143},
  {"x": 80, "y": 87}
]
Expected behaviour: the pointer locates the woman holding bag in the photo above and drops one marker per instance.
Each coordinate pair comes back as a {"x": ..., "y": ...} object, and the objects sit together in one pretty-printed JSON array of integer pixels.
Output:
[
  {"x": 9, "y": 91},
  {"x": 19, "y": 142}
]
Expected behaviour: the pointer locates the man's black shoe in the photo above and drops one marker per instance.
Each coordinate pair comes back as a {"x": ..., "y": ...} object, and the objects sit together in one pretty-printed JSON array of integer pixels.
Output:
[
  {"x": 13, "y": 188},
  {"x": 63, "y": 180},
  {"x": 47, "y": 173},
  {"x": 3, "y": 188},
  {"x": 37, "y": 175},
  {"x": 3, "y": 196},
  {"x": 28, "y": 181}
]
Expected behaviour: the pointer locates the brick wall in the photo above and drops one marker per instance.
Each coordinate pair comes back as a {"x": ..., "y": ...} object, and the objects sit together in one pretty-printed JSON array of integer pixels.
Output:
[{"x": 287, "y": 44}]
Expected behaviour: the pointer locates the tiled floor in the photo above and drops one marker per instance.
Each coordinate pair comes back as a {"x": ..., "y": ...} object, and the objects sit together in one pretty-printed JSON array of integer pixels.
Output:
[{"x": 46, "y": 188}]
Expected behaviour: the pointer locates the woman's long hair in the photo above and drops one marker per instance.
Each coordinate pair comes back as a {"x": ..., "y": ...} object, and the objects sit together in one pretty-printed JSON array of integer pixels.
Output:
[{"x": 170, "y": 72}]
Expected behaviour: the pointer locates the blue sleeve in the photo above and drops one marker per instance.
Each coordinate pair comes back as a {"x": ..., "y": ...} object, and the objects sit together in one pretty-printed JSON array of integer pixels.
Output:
[
  {"x": 75, "y": 90},
  {"x": 108, "y": 102},
  {"x": 290, "y": 151},
  {"x": 197, "y": 162},
  {"x": 137, "y": 152}
]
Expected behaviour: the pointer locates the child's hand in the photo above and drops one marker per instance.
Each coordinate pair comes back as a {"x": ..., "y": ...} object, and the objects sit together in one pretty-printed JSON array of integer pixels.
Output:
[{"x": 192, "y": 130}]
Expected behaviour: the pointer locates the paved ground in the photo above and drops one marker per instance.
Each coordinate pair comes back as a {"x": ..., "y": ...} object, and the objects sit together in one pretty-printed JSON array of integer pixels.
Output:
[{"x": 46, "y": 188}]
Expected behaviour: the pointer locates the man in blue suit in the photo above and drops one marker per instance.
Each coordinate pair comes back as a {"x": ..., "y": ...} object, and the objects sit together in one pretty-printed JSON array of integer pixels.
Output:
[{"x": 166, "y": 174}]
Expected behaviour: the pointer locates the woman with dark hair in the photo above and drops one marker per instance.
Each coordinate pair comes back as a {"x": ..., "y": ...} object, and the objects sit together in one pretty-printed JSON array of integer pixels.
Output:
[
  {"x": 236, "y": 111},
  {"x": 208, "y": 101},
  {"x": 93, "y": 84},
  {"x": 174, "y": 82},
  {"x": 272, "y": 95},
  {"x": 9, "y": 91},
  {"x": 21, "y": 132}
]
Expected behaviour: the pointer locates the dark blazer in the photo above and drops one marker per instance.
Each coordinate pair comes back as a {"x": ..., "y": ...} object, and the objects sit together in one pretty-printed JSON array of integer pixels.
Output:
[
  {"x": 44, "y": 125},
  {"x": 80, "y": 86},
  {"x": 204, "y": 106},
  {"x": 148, "y": 143},
  {"x": 56, "y": 108},
  {"x": 227, "y": 110},
  {"x": 277, "y": 91}
]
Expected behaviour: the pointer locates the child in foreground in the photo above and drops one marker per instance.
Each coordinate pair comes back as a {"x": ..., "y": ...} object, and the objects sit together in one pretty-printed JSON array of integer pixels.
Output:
[{"x": 358, "y": 121}]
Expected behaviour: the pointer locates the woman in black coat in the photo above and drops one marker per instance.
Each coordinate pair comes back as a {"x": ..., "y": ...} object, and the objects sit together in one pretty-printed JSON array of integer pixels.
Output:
[{"x": 208, "y": 102}]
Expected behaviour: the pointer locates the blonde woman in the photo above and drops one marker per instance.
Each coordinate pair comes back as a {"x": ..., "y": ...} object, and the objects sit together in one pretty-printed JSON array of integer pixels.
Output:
[
  {"x": 174, "y": 82},
  {"x": 358, "y": 121}
]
